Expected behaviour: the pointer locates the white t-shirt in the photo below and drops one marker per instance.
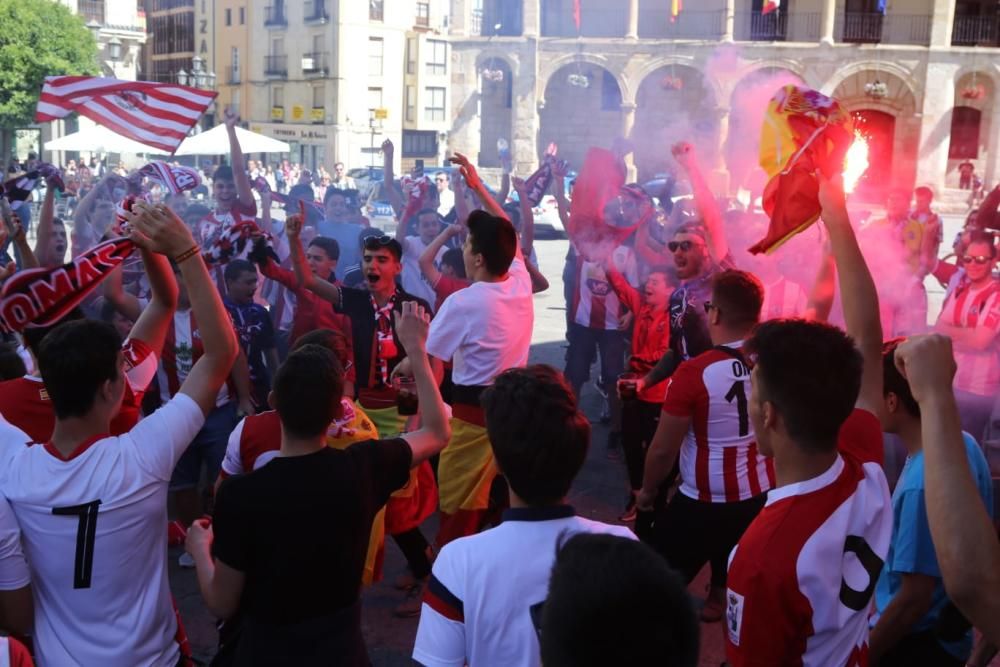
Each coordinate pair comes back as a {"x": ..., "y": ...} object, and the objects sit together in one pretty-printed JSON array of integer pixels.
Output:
[
  {"x": 13, "y": 567},
  {"x": 476, "y": 609},
  {"x": 92, "y": 530},
  {"x": 413, "y": 278},
  {"x": 485, "y": 328}
]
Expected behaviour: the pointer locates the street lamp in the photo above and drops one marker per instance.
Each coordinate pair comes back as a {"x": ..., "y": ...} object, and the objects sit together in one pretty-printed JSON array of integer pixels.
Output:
[
  {"x": 182, "y": 77},
  {"x": 211, "y": 80},
  {"x": 115, "y": 49},
  {"x": 94, "y": 27}
]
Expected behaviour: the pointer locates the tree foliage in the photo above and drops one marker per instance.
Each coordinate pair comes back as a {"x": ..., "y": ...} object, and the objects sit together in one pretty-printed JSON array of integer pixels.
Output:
[{"x": 38, "y": 38}]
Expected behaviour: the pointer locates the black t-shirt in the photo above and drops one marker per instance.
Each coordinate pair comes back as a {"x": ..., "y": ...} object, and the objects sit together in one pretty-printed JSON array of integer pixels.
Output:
[
  {"x": 298, "y": 528},
  {"x": 357, "y": 304}
]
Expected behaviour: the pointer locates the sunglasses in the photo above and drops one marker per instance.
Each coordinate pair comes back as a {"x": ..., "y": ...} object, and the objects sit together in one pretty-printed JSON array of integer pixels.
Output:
[
  {"x": 709, "y": 306},
  {"x": 375, "y": 242},
  {"x": 673, "y": 246},
  {"x": 979, "y": 259}
]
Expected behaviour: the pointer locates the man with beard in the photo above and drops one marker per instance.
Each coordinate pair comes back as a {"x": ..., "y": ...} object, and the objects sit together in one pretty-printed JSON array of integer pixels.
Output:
[
  {"x": 699, "y": 250},
  {"x": 377, "y": 352}
]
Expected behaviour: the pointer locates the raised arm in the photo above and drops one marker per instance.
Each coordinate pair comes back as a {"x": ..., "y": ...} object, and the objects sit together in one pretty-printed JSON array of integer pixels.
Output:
[
  {"x": 559, "y": 192},
  {"x": 823, "y": 291},
  {"x": 160, "y": 230},
  {"x": 527, "y": 217},
  {"x": 114, "y": 291},
  {"x": 28, "y": 258},
  {"x": 427, "y": 257},
  {"x": 857, "y": 289},
  {"x": 505, "y": 182},
  {"x": 244, "y": 193},
  {"x": 322, "y": 288},
  {"x": 155, "y": 320},
  {"x": 392, "y": 195},
  {"x": 43, "y": 242},
  {"x": 475, "y": 184},
  {"x": 685, "y": 155},
  {"x": 965, "y": 540},
  {"x": 461, "y": 199},
  {"x": 435, "y": 431}
]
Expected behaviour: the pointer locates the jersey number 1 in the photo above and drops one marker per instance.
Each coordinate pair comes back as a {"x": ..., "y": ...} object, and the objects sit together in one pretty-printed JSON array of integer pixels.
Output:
[
  {"x": 85, "y": 534},
  {"x": 739, "y": 393}
]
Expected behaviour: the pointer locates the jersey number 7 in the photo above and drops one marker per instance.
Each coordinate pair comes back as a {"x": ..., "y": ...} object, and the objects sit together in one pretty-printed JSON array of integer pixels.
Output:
[{"x": 85, "y": 534}]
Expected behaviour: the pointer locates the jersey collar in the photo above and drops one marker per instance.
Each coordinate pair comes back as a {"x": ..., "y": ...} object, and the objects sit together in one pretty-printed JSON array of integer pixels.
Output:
[
  {"x": 80, "y": 449},
  {"x": 547, "y": 513},
  {"x": 809, "y": 485}
]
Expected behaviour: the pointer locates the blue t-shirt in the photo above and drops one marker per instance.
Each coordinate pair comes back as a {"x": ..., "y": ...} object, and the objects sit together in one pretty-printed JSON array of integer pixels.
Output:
[
  {"x": 912, "y": 550},
  {"x": 346, "y": 235}
]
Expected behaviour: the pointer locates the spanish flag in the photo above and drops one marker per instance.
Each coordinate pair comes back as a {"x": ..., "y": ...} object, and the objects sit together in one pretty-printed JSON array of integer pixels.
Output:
[
  {"x": 804, "y": 132},
  {"x": 771, "y": 6},
  {"x": 675, "y": 9}
]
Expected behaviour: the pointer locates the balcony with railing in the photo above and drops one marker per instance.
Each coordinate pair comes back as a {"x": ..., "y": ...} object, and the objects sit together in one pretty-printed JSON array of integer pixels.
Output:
[
  {"x": 92, "y": 10},
  {"x": 877, "y": 28},
  {"x": 233, "y": 76},
  {"x": 423, "y": 17},
  {"x": 315, "y": 63},
  {"x": 275, "y": 16},
  {"x": 976, "y": 31},
  {"x": 656, "y": 24},
  {"x": 777, "y": 26},
  {"x": 593, "y": 23},
  {"x": 316, "y": 12},
  {"x": 276, "y": 65}
]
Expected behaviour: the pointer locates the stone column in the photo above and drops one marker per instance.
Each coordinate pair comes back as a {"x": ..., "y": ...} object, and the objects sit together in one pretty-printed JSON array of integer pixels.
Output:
[
  {"x": 942, "y": 21},
  {"x": 828, "y": 19},
  {"x": 459, "y": 22},
  {"x": 991, "y": 170},
  {"x": 628, "y": 122},
  {"x": 719, "y": 176},
  {"x": 939, "y": 100},
  {"x": 526, "y": 122},
  {"x": 632, "y": 30},
  {"x": 729, "y": 19},
  {"x": 532, "y": 16}
]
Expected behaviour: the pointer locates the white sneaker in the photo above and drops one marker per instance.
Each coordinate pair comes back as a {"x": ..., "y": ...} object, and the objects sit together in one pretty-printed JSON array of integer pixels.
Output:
[{"x": 186, "y": 560}]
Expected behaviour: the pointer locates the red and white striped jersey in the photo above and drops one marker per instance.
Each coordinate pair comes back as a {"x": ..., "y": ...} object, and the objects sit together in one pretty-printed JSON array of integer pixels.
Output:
[
  {"x": 212, "y": 226},
  {"x": 802, "y": 577},
  {"x": 181, "y": 349},
  {"x": 719, "y": 458},
  {"x": 783, "y": 298},
  {"x": 595, "y": 304},
  {"x": 978, "y": 370}
]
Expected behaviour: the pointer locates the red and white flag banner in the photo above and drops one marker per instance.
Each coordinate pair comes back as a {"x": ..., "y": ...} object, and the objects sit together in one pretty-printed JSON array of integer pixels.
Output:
[
  {"x": 770, "y": 6},
  {"x": 156, "y": 114}
]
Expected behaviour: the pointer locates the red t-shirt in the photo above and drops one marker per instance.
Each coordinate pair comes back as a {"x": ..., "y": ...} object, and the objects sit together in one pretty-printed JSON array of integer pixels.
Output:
[
  {"x": 802, "y": 577},
  {"x": 650, "y": 337},
  {"x": 446, "y": 286},
  {"x": 25, "y": 403}
]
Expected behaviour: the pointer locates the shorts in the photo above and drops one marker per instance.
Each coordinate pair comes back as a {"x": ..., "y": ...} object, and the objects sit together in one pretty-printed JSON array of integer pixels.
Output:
[{"x": 206, "y": 450}]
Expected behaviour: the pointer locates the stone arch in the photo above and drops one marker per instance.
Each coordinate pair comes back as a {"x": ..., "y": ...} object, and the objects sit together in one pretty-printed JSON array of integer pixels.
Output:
[
  {"x": 868, "y": 70},
  {"x": 975, "y": 96},
  {"x": 496, "y": 107},
  {"x": 647, "y": 68},
  {"x": 549, "y": 67},
  {"x": 674, "y": 102},
  {"x": 576, "y": 116},
  {"x": 893, "y": 159},
  {"x": 747, "y": 104}
]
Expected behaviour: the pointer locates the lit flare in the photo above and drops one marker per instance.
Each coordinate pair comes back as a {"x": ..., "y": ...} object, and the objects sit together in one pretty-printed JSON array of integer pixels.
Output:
[{"x": 855, "y": 162}]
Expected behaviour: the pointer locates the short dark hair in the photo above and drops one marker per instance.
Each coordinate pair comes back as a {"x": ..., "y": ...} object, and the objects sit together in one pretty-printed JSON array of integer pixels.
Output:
[
  {"x": 307, "y": 389},
  {"x": 811, "y": 372},
  {"x": 327, "y": 245},
  {"x": 33, "y": 336},
  {"x": 739, "y": 297},
  {"x": 11, "y": 363},
  {"x": 368, "y": 233},
  {"x": 894, "y": 382},
  {"x": 608, "y": 586},
  {"x": 236, "y": 268},
  {"x": 383, "y": 242},
  {"x": 333, "y": 340},
  {"x": 430, "y": 211},
  {"x": 495, "y": 239},
  {"x": 692, "y": 228},
  {"x": 334, "y": 192},
  {"x": 453, "y": 257},
  {"x": 983, "y": 237},
  {"x": 223, "y": 173},
  {"x": 539, "y": 437},
  {"x": 75, "y": 359}
]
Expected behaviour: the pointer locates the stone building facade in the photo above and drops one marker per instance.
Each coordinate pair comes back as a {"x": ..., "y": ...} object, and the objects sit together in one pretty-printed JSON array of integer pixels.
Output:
[{"x": 920, "y": 79}]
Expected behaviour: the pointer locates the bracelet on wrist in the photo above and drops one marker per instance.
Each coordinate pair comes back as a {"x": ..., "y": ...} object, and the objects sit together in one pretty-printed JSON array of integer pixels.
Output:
[{"x": 188, "y": 254}]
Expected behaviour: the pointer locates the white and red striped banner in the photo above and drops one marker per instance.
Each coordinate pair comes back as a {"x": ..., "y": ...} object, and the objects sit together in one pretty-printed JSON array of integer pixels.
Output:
[
  {"x": 155, "y": 114},
  {"x": 771, "y": 6}
]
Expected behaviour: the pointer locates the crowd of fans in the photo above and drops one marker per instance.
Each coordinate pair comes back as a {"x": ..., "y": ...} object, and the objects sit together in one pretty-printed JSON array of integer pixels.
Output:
[{"x": 297, "y": 387}]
